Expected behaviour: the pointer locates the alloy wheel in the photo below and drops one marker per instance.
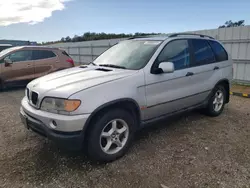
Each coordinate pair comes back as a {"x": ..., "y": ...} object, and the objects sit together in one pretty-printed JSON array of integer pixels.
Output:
[{"x": 114, "y": 136}]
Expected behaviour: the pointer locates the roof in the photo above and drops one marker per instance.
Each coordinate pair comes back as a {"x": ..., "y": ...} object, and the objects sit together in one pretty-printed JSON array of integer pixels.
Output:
[
  {"x": 6, "y": 51},
  {"x": 11, "y": 49},
  {"x": 39, "y": 47}
]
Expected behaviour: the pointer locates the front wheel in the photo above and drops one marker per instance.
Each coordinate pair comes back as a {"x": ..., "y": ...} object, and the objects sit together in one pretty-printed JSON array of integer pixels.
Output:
[
  {"x": 111, "y": 135},
  {"x": 1, "y": 85},
  {"x": 217, "y": 102}
]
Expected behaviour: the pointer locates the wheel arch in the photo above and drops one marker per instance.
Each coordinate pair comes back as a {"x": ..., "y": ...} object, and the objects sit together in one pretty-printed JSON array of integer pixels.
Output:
[
  {"x": 226, "y": 84},
  {"x": 125, "y": 103}
]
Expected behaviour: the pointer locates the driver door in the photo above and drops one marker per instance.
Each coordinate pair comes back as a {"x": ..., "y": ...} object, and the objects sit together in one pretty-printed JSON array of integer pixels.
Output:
[
  {"x": 170, "y": 92},
  {"x": 20, "y": 66}
]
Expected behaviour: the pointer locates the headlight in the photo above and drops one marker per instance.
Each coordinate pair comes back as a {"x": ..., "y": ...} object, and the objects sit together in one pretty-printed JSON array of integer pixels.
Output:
[{"x": 60, "y": 106}]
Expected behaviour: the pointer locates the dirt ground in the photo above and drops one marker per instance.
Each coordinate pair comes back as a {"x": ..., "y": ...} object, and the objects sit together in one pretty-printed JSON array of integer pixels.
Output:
[
  {"x": 189, "y": 151},
  {"x": 240, "y": 88}
]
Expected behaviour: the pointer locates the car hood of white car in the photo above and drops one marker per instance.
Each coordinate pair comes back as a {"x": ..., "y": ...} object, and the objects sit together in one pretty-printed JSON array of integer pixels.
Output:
[{"x": 66, "y": 82}]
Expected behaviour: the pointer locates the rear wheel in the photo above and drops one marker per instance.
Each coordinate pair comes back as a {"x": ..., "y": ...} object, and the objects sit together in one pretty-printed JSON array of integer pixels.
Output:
[
  {"x": 111, "y": 135},
  {"x": 217, "y": 101}
]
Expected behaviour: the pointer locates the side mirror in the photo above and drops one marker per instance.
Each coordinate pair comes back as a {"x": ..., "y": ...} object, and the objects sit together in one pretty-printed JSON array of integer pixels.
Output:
[
  {"x": 166, "y": 67},
  {"x": 7, "y": 62}
]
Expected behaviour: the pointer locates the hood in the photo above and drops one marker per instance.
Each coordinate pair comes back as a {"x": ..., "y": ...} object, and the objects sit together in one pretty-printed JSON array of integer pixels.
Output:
[{"x": 66, "y": 82}]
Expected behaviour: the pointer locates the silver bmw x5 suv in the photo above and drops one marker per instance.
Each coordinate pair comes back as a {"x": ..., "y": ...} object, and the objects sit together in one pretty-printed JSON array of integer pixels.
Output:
[{"x": 136, "y": 82}]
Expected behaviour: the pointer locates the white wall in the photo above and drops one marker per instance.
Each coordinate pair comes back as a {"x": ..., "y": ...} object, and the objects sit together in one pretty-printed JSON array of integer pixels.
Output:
[{"x": 236, "y": 40}]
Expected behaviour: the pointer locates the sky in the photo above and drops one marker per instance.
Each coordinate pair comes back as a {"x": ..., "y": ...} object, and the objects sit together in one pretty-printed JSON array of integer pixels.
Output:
[{"x": 50, "y": 20}]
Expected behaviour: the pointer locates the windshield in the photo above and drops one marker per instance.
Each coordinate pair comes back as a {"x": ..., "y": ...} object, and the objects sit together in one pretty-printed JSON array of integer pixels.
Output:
[{"x": 131, "y": 54}]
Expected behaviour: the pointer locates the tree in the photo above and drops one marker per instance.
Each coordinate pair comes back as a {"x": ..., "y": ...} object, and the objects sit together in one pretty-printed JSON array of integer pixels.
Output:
[
  {"x": 76, "y": 38},
  {"x": 99, "y": 36},
  {"x": 232, "y": 24},
  {"x": 67, "y": 39}
]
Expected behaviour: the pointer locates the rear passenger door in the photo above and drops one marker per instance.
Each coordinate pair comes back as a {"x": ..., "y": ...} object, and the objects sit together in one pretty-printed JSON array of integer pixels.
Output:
[
  {"x": 205, "y": 68},
  {"x": 44, "y": 62}
]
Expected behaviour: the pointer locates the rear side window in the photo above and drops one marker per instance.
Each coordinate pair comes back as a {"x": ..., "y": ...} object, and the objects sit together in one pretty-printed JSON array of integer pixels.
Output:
[
  {"x": 43, "y": 54},
  {"x": 177, "y": 52},
  {"x": 220, "y": 52},
  {"x": 203, "y": 53}
]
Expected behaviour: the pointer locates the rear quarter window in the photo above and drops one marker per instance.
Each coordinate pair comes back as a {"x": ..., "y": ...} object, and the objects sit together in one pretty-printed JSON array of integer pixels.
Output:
[{"x": 219, "y": 51}]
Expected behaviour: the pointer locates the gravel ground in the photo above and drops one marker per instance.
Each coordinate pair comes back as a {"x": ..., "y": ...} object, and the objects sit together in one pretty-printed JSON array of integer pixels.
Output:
[{"x": 190, "y": 151}]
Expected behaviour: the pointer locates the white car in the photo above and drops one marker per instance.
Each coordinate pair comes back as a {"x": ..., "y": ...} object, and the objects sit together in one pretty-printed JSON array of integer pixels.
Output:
[
  {"x": 134, "y": 83},
  {"x": 4, "y": 46}
]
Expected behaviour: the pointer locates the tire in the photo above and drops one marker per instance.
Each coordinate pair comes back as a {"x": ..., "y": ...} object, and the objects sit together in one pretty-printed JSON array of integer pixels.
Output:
[
  {"x": 97, "y": 145},
  {"x": 1, "y": 85},
  {"x": 211, "y": 109}
]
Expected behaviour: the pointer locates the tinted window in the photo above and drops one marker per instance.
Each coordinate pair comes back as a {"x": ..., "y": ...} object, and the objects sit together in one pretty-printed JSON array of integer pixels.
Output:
[
  {"x": 177, "y": 52},
  {"x": 24, "y": 55},
  {"x": 43, "y": 54},
  {"x": 203, "y": 53},
  {"x": 220, "y": 53}
]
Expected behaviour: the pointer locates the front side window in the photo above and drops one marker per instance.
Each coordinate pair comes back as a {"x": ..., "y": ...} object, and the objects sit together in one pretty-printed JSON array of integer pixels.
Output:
[
  {"x": 220, "y": 52},
  {"x": 19, "y": 56},
  {"x": 130, "y": 54},
  {"x": 203, "y": 53},
  {"x": 43, "y": 54},
  {"x": 8, "y": 50},
  {"x": 177, "y": 52}
]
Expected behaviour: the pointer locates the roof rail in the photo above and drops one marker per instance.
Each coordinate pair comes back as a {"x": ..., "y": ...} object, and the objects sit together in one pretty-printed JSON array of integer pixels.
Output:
[
  {"x": 177, "y": 34},
  {"x": 137, "y": 37},
  {"x": 148, "y": 36}
]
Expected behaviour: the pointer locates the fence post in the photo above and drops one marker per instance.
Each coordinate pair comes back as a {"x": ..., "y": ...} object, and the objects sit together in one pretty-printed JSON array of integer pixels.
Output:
[
  {"x": 92, "y": 55},
  {"x": 79, "y": 55}
]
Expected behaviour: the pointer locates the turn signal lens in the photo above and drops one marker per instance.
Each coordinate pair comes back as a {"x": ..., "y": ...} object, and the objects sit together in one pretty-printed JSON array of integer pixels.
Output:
[{"x": 71, "y": 105}]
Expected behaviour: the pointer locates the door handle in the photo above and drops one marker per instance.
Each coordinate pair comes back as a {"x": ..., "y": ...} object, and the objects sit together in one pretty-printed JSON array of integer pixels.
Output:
[
  {"x": 190, "y": 74},
  {"x": 216, "y": 68}
]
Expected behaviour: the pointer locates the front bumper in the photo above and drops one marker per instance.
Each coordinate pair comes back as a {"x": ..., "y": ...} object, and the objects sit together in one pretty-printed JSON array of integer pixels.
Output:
[{"x": 67, "y": 134}]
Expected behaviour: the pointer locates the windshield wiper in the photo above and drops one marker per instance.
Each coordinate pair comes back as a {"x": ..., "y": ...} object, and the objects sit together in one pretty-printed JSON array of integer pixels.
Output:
[
  {"x": 113, "y": 66},
  {"x": 92, "y": 63}
]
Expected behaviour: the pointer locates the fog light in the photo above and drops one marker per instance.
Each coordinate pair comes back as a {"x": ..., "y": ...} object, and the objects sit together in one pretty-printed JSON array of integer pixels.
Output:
[{"x": 53, "y": 124}]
